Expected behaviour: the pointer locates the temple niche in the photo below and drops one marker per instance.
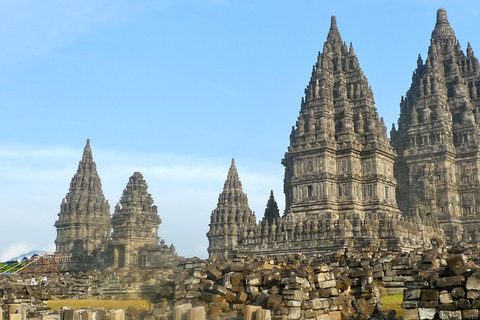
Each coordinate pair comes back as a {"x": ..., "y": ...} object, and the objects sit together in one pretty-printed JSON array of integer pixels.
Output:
[
  {"x": 437, "y": 139},
  {"x": 339, "y": 185},
  {"x": 83, "y": 225}
]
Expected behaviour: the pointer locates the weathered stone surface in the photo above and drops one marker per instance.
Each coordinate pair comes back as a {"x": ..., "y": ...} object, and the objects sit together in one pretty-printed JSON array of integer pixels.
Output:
[
  {"x": 450, "y": 315},
  {"x": 454, "y": 281},
  {"x": 429, "y": 295},
  {"x": 426, "y": 313},
  {"x": 410, "y": 314},
  {"x": 473, "y": 283},
  {"x": 446, "y": 298},
  {"x": 470, "y": 314}
]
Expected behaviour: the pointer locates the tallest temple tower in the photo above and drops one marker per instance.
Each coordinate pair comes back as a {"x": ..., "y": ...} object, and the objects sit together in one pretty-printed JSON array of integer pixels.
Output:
[
  {"x": 438, "y": 137},
  {"x": 339, "y": 161}
]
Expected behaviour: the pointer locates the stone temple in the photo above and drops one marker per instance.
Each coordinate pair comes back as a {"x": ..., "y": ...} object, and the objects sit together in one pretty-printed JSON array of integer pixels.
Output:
[
  {"x": 340, "y": 188},
  {"x": 346, "y": 185},
  {"x": 437, "y": 141},
  {"x": 85, "y": 240}
]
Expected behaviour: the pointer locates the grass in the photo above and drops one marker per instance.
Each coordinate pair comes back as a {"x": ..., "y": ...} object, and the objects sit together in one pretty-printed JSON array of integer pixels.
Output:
[
  {"x": 95, "y": 303},
  {"x": 393, "y": 302}
]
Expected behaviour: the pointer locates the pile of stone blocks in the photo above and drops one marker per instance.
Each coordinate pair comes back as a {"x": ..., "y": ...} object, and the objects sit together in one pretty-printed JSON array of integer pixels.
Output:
[{"x": 453, "y": 292}]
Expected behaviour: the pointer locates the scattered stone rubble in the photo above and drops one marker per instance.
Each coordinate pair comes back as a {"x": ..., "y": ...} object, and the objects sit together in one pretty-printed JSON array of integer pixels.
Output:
[{"x": 439, "y": 283}]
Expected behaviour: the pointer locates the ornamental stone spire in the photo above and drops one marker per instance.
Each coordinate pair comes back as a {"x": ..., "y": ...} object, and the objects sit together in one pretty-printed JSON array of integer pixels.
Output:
[
  {"x": 339, "y": 158},
  {"x": 83, "y": 226},
  {"x": 271, "y": 211},
  {"x": 438, "y": 136},
  {"x": 231, "y": 218},
  {"x": 135, "y": 223}
]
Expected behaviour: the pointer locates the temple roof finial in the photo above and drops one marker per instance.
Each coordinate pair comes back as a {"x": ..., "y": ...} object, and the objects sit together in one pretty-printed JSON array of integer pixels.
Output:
[
  {"x": 333, "y": 33},
  {"x": 442, "y": 26},
  {"x": 442, "y": 16},
  {"x": 87, "y": 152}
]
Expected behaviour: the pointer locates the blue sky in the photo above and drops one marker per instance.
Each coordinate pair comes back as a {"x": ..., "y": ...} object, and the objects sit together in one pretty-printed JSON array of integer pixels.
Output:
[{"x": 175, "y": 89}]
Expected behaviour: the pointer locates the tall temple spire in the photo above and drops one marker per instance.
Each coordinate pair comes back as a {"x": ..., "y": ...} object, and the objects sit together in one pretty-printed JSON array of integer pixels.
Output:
[
  {"x": 271, "y": 211},
  {"x": 231, "y": 217},
  {"x": 437, "y": 130},
  {"x": 83, "y": 226}
]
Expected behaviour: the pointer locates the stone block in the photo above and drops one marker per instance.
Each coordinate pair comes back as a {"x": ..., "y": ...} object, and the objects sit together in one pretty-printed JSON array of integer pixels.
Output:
[
  {"x": 448, "y": 282},
  {"x": 14, "y": 308},
  {"x": 180, "y": 312},
  {"x": 409, "y": 304},
  {"x": 429, "y": 295},
  {"x": 457, "y": 264},
  {"x": 320, "y": 303},
  {"x": 327, "y": 284},
  {"x": 335, "y": 315},
  {"x": 470, "y": 314},
  {"x": 81, "y": 314},
  {"x": 426, "y": 313},
  {"x": 323, "y": 317},
  {"x": 392, "y": 291},
  {"x": 293, "y": 303},
  {"x": 448, "y": 307},
  {"x": 15, "y": 316},
  {"x": 473, "y": 283},
  {"x": 293, "y": 313},
  {"x": 214, "y": 288},
  {"x": 458, "y": 293},
  {"x": 473, "y": 294},
  {"x": 410, "y": 314},
  {"x": 362, "y": 273},
  {"x": 323, "y": 276},
  {"x": 241, "y": 297},
  {"x": 114, "y": 315},
  {"x": 428, "y": 304},
  {"x": 197, "y": 313},
  {"x": 249, "y": 312},
  {"x": 66, "y": 314},
  {"x": 253, "y": 280},
  {"x": 450, "y": 315},
  {"x": 446, "y": 298},
  {"x": 292, "y": 294},
  {"x": 476, "y": 304},
  {"x": 464, "y": 303},
  {"x": 263, "y": 314},
  {"x": 211, "y": 297},
  {"x": 230, "y": 296},
  {"x": 213, "y": 273},
  {"x": 273, "y": 299}
]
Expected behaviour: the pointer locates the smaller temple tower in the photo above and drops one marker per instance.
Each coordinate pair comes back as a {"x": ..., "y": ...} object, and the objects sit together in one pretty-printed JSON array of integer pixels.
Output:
[
  {"x": 83, "y": 225},
  {"x": 231, "y": 218},
  {"x": 135, "y": 223}
]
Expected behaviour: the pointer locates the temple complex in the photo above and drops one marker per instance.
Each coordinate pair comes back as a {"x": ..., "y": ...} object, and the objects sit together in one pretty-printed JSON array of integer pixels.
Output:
[
  {"x": 340, "y": 189},
  {"x": 83, "y": 225},
  {"x": 347, "y": 187},
  {"x": 437, "y": 141},
  {"x": 85, "y": 240}
]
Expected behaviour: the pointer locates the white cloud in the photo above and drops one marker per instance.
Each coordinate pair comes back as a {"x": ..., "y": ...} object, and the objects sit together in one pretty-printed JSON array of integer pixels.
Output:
[{"x": 15, "y": 249}]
